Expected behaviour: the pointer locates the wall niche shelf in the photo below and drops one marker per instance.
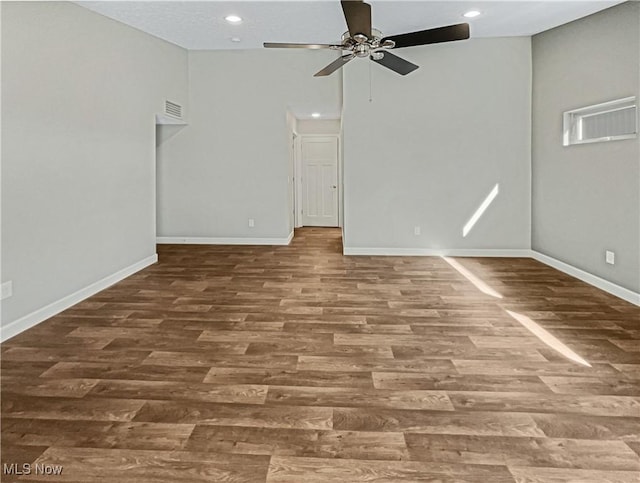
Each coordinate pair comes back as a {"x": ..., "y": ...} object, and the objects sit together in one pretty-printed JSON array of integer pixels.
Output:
[{"x": 163, "y": 120}]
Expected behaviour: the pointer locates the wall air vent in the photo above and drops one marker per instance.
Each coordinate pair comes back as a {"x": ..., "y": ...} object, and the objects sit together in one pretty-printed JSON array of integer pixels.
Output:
[{"x": 172, "y": 109}]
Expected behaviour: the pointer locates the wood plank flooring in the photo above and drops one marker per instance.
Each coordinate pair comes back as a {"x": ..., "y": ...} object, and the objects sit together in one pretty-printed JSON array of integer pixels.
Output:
[{"x": 297, "y": 364}]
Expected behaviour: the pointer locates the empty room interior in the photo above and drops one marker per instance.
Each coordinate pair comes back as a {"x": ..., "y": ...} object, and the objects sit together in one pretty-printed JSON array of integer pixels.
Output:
[{"x": 320, "y": 241}]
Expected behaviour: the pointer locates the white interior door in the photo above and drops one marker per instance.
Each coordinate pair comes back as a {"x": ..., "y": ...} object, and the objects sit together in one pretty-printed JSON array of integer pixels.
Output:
[{"x": 319, "y": 181}]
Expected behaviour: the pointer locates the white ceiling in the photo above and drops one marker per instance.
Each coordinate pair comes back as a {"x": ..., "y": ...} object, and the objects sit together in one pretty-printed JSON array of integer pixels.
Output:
[{"x": 200, "y": 25}]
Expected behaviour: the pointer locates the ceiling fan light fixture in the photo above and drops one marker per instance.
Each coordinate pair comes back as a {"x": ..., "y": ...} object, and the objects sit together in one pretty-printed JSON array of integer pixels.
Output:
[
  {"x": 471, "y": 14},
  {"x": 233, "y": 19},
  {"x": 377, "y": 55},
  {"x": 362, "y": 50}
]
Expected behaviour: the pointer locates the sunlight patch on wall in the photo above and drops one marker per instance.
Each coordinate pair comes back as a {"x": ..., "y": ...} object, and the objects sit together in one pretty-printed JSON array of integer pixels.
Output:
[
  {"x": 481, "y": 209},
  {"x": 548, "y": 338},
  {"x": 478, "y": 282}
]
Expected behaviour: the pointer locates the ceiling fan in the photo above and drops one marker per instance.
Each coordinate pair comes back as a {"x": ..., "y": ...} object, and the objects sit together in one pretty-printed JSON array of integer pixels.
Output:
[{"x": 361, "y": 40}]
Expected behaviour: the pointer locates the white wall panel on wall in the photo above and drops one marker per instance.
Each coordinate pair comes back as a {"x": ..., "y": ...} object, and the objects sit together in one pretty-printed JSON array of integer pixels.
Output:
[{"x": 430, "y": 147}]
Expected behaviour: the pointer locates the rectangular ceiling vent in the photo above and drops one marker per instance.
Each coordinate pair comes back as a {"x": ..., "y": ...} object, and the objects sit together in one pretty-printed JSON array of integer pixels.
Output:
[{"x": 172, "y": 109}]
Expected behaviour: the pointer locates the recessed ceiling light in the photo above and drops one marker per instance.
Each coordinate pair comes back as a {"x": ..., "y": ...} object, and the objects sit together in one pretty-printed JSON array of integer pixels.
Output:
[
  {"x": 235, "y": 39},
  {"x": 233, "y": 19},
  {"x": 316, "y": 115},
  {"x": 471, "y": 14}
]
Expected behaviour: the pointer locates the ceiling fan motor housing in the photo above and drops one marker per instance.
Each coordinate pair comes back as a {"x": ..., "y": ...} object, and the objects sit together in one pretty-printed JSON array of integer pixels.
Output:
[
  {"x": 362, "y": 46},
  {"x": 349, "y": 41}
]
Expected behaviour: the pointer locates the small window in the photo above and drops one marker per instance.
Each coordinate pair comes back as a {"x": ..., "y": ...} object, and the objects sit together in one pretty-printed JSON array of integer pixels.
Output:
[{"x": 608, "y": 121}]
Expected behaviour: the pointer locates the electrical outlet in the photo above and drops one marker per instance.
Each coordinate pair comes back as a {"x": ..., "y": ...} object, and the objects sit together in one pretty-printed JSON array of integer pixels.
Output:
[
  {"x": 6, "y": 289},
  {"x": 252, "y": 223},
  {"x": 610, "y": 257},
  {"x": 416, "y": 230}
]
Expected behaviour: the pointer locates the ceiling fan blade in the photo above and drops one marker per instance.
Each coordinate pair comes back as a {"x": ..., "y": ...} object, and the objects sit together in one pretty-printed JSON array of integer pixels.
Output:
[
  {"x": 396, "y": 64},
  {"x": 358, "y": 17},
  {"x": 335, "y": 65},
  {"x": 279, "y": 45},
  {"x": 431, "y": 36}
]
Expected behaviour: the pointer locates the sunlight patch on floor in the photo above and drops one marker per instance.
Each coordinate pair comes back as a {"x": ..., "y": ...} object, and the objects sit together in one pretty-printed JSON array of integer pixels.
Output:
[
  {"x": 547, "y": 338},
  {"x": 542, "y": 334},
  {"x": 478, "y": 282}
]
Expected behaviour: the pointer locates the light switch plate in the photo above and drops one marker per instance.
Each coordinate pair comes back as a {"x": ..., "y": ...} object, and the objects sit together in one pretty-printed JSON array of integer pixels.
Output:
[{"x": 610, "y": 257}]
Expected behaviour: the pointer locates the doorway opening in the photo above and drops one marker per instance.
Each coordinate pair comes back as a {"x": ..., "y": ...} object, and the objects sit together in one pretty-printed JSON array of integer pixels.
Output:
[
  {"x": 317, "y": 172},
  {"x": 165, "y": 129}
]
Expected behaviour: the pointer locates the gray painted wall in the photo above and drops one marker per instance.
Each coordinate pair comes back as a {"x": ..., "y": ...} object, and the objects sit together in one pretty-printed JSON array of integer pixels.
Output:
[
  {"x": 79, "y": 94},
  {"x": 319, "y": 126},
  {"x": 431, "y": 146},
  {"x": 232, "y": 161},
  {"x": 586, "y": 198}
]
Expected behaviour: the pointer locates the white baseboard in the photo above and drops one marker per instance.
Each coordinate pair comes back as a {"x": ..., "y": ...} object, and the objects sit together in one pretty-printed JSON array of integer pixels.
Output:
[
  {"x": 14, "y": 328},
  {"x": 609, "y": 287},
  {"x": 437, "y": 252},
  {"x": 182, "y": 240},
  {"x": 34, "y": 318},
  {"x": 602, "y": 284}
]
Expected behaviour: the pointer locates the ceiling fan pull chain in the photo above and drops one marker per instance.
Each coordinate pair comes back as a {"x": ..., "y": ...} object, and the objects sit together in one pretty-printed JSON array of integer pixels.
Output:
[{"x": 370, "y": 85}]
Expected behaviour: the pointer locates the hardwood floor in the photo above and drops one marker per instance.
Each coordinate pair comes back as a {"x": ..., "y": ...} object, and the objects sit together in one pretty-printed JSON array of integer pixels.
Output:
[{"x": 296, "y": 364}]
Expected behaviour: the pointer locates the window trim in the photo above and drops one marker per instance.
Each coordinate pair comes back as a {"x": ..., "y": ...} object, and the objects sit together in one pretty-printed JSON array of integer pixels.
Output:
[{"x": 572, "y": 121}]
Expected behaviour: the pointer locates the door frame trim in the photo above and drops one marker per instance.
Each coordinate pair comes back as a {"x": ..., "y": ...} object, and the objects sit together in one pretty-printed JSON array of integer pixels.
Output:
[{"x": 297, "y": 170}]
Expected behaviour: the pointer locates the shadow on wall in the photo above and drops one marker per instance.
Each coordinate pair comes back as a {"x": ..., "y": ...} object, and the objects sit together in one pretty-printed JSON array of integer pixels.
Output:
[{"x": 164, "y": 132}]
